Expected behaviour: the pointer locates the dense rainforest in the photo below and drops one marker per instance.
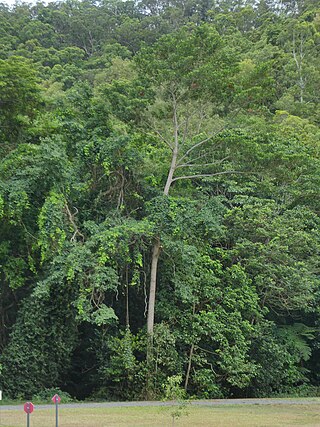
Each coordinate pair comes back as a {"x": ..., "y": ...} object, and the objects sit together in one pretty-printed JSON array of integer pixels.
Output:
[{"x": 160, "y": 197}]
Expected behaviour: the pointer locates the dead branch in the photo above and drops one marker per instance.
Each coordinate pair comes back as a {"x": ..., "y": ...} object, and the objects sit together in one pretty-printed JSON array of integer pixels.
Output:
[{"x": 204, "y": 175}]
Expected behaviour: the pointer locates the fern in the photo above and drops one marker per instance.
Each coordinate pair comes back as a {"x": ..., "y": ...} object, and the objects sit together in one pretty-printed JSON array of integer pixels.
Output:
[{"x": 296, "y": 337}]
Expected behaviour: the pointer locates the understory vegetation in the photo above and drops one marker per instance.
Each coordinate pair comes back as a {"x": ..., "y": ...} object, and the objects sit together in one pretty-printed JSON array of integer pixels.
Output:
[{"x": 160, "y": 198}]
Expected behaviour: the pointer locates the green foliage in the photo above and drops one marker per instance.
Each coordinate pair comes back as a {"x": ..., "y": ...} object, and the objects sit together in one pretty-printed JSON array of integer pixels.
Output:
[
  {"x": 121, "y": 374},
  {"x": 20, "y": 97},
  {"x": 189, "y": 62},
  {"x": 46, "y": 395},
  {"x": 51, "y": 219},
  {"x": 41, "y": 345},
  {"x": 185, "y": 218},
  {"x": 281, "y": 366},
  {"x": 282, "y": 250},
  {"x": 295, "y": 336},
  {"x": 124, "y": 98}
]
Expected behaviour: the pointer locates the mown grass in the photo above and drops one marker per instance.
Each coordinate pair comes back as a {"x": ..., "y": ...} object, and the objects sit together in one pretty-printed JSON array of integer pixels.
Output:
[{"x": 203, "y": 416}]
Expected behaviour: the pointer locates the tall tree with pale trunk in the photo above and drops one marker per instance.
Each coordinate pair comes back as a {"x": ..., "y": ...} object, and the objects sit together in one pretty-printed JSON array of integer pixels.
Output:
[{"x": 190, "y": 71}]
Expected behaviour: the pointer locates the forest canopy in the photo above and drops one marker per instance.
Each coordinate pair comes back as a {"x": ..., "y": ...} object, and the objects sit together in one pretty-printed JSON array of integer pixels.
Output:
[{"x": 160, "y": 198}]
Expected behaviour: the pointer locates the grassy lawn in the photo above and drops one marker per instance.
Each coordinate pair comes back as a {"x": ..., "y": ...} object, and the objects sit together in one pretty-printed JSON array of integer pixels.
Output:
[{"x": 219, "y": 416}]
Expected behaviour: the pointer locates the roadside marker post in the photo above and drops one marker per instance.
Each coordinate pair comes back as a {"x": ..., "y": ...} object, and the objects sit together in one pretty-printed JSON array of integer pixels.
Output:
[
  {"x": 56, "y": 399},
  {"x": 28, "y": 409}
]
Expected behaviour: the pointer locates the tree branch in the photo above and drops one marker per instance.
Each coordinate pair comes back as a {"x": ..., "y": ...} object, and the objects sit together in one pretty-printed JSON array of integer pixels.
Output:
[
  {"x": 201, "y": 156},
  {"x": 162, "y": 137},
  {"x": 203, "y": 175},
  {"x": 189, "y": 165},
  {"x": 198, "y": 144},
  {"x": 74, "y": 225}
]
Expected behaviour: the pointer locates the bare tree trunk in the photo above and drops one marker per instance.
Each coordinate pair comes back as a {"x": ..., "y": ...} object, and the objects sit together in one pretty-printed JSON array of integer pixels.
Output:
[
  {"x": 172, "y": 169},
  {"x": 153, "y": 285},
  {"x": 150, "y": 320},
  {"x": 190, "y": 356},
  {"x": 156, "y": 250},
  {"x": 157, "y": 245},
  {"x": 189, "y": 367}
]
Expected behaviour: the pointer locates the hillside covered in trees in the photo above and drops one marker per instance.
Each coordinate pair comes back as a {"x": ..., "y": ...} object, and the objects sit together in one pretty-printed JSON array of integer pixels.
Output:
[{"x": 160, "y": 197}]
